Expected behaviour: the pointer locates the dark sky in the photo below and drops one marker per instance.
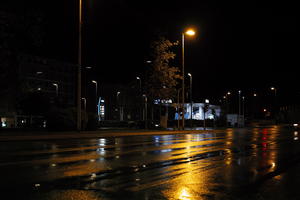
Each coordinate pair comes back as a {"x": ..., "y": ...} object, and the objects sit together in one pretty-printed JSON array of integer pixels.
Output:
[{"x": 247, "y": 45}]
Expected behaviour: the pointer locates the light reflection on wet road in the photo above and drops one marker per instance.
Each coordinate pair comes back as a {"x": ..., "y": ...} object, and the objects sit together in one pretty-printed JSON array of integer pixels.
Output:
[{"x": 236, "y": 164}]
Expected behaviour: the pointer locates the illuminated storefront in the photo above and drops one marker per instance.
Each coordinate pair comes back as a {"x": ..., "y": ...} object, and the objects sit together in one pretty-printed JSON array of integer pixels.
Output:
[{"x": 213, "y": 111}]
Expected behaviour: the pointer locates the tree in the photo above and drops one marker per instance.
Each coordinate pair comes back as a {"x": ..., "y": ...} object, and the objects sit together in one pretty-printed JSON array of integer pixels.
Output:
[{"x": 163, "y": 78}]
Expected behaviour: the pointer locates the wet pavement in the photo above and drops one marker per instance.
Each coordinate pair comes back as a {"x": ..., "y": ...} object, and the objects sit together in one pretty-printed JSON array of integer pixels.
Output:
[{"x": 258, "y": 163}]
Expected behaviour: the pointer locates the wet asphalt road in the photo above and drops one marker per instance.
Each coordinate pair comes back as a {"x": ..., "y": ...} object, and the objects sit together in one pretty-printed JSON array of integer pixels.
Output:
[{"x": 259, "y": 163}]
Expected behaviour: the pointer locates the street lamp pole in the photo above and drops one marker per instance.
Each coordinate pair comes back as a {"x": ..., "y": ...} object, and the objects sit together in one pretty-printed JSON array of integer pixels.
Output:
[
  {"x": 188, "y": 32},
  {"x": 243, "y": 98},
  {"x": 191, "y": 97},
  {"x": 140, "y": 93},
  {"x": 79, "y": 69},
  {"x": 274, "y": 109},
  {"x": 275, "y": 91},
  {"x": 140, "y": 81},
  {"x": 182, "y": 81},
  {"x": 96, "y": 83},
  {"x": 239, "y": 107},
  {"x": 56, "y": 88},
  {"x": 118, "y": 106},
  {"x": 146, "y": 113},
  {"x": 84, "y": 103}
]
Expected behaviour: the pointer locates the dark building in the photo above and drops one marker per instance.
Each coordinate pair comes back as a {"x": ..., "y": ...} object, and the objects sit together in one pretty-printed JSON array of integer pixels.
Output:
[{"x": 32, "y": 84}]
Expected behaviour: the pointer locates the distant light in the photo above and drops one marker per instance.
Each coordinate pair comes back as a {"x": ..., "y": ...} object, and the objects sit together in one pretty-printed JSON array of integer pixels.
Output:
[
  {"x": 265, "y": 110},
  {"x": 240, "y": 91},
  {"x": 55, "y": 84},
  {"x": 3, "y": 124},
  {"x": 224, "y": 97},
  {"x": 296, "y": 133},
  {"x": 148, "y": 61},
  {"x": 94, "y": 81},
  {"x": 295, "y": 138},
  {"x": 206, "y": 101},
  {"x": 273, "y": 164},
  {"x": 228, "y": 93},
  {"x": 190, "y": 32},
  {"x": 93, "y": 175},
  {"x": 102, "y": 101},
  {"x": 88, "y": 67},
  {"x": 39, "y": 72},
  {"x": 272, "y": 88},
  {"x": 138, "y": 78},
  {"x": 189, "y": 74},
  {"x": 156, "y": 125},
  {"x": 118, "y": 93},
  {"x": 255, "y": 94},
  {"x": 39, "y": 89},
  {"x": 295, "y": 125}
]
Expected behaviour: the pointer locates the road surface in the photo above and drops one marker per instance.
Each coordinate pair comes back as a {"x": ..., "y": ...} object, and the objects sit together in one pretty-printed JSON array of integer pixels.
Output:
[{"x": 258, "y": 163}]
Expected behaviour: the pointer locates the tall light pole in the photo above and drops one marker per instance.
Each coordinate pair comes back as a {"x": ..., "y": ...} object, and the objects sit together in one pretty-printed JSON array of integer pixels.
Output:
[
  {"x": 96, "y": 83},
  {"x": 206, "y": 102},
  {"x": 84, "y": 113},
  {"x": 191, "y": 97},
  {"x": 274, "y": 89},
  {"x": 146, "y": 113},
  {"x": 243, "y": 99},
  {"x": 140, "y": 93},
  {"x": 79, "y": 69},
  {"x": 189, "y": 32},
  {"x": 239, "y": 107},
  {"x": 84, "y": 103},
  {"x": 56, "y": 88},
  {"x": 275, "y": 100},
  {"x": 118, "y": 93},
  {"x": 140, "y": 81}
]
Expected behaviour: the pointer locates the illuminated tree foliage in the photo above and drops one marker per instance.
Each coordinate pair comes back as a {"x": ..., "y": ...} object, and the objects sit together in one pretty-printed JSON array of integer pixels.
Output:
[{"x": 163, "y": 77}]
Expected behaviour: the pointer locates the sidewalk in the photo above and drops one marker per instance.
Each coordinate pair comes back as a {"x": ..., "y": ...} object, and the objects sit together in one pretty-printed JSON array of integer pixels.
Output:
[{"x": 46, "y": 135}]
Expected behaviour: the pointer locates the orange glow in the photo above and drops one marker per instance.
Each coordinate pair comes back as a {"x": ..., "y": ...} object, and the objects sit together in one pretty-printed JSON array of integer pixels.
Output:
[{"x": 190, "y": 32}]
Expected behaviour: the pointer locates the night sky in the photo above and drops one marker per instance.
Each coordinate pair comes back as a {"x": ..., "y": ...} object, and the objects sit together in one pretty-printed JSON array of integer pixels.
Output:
[{"x": 248, "y": 45}]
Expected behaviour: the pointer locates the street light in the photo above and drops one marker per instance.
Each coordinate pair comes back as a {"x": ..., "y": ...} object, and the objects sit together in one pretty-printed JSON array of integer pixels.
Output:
[
  {"x": 56, "y": 88},
  {"x": 145, "y": 114},
  {"x": 275, "y": 100},
  {"x": 79, "y": 68},
  {"x": 138, "y": 78},
  {"x": 140, "y": 92},
  {"x": 227, "y": 101},
  {"x": 239, "y": 107},
  {"x": 274, "y": 89},
  {"x": 96, "y": 83},
  {"x": 191, "y": 98},
  {"x": 243, "y": 98},
  {"x": 84, "y": 103},
  {"x": 118, "y": 106},
  {"x": 206, "y": 102},
  {"x": 189, "y": 32}
]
